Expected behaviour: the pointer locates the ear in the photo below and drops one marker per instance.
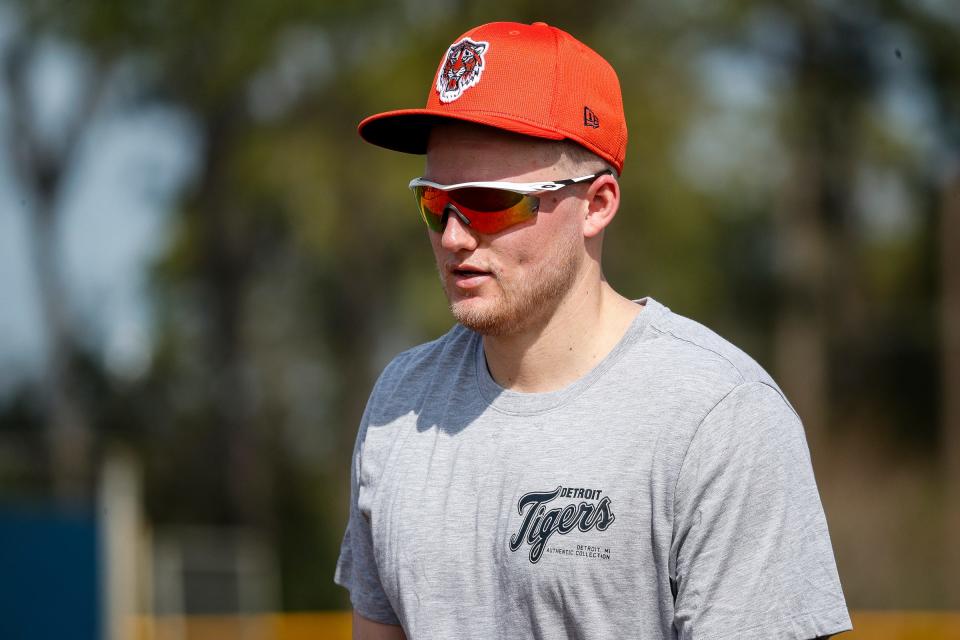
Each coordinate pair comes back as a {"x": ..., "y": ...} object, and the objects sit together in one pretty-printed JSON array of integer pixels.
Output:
[{"x": 603, "y": 200}]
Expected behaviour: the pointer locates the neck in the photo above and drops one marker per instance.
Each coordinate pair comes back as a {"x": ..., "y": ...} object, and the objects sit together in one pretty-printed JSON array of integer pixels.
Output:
[{"x": 584, "y": 328}]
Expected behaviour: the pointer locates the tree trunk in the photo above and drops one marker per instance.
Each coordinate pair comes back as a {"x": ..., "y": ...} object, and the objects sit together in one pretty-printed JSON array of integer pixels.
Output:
[
  {"x": 68, "y": 434},
  {"x": 225, "y": 268},
  {"x": 800, "y": 360},
  {"x": 40, "y": 170},
  {"x": 950, "y": 363}
]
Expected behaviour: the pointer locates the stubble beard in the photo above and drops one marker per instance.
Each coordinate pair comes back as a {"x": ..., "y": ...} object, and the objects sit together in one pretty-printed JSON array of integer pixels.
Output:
[{"x": 524, "y": 303}]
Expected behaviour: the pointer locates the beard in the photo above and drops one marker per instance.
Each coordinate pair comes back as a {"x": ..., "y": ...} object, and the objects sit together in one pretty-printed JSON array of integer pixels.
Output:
[{"x": 525, "y": 303}]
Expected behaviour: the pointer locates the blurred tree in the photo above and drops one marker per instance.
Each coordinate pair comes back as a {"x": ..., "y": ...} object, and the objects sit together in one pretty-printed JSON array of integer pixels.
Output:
[
  {"x": 44, "y": 160},
  {"x": 854, "y": 352},
  {"x": 297, "y": 267},
  {"x": 950, "y": 337},
  {"x": 821, "y": 307},
  {"x": 939, "y": 65}
]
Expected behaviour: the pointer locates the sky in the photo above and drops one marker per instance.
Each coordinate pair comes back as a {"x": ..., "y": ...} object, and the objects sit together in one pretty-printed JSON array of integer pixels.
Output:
[{"x": 114, "y": 222}]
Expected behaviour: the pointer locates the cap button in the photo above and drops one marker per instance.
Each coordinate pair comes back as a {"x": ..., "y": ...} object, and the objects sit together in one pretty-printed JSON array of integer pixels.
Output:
[{"x": 539, "y": 24}]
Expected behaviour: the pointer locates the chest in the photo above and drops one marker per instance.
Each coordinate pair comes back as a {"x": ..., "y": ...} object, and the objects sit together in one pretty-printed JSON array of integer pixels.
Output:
[{"x": 519, "y": 518}]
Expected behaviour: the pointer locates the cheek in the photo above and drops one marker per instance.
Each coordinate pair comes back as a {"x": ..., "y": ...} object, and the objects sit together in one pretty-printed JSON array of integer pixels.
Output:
[
  {"x": 526, "y": 257},
  {"x": 434, "y": 239}
]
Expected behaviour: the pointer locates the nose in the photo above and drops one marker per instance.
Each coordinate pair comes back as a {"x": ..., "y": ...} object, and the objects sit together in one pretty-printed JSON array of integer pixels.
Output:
[{"x": 457, "y": 236}]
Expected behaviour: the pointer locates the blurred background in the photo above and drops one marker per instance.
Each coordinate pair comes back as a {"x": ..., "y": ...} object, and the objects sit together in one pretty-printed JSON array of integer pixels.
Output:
[{"x": 203, "y": 269}]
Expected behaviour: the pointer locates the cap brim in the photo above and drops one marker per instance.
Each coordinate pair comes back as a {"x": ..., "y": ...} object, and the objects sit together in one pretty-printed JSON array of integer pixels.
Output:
[{"x": 408, "y": 130}]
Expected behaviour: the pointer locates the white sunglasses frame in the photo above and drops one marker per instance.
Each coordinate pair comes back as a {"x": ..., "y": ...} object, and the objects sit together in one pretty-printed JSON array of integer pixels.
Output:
[{"x": 525, "y": 188}]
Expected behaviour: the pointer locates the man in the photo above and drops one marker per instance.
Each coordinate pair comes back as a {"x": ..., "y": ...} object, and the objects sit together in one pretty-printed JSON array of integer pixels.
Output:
[{"x": 566, "y": 462}]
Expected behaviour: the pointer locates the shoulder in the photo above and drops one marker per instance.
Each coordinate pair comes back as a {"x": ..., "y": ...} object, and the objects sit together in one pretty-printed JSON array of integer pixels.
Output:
[
  {"x": 453, "y": 346},
  {"x": 740, "y": 407},
  {"x": 700, "y": 356},
  {"x": 400, "y": 393},
  {"x": 411, "y": 372},
  {"x": 694, "y": 374}
]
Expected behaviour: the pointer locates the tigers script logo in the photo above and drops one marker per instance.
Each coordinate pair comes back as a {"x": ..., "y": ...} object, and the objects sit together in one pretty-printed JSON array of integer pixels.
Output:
[{"x": 539, "y": 524}]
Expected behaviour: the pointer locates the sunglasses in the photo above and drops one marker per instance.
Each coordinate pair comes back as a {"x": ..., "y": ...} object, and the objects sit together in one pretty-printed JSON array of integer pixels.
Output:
[{"x": 485, "y": 207}]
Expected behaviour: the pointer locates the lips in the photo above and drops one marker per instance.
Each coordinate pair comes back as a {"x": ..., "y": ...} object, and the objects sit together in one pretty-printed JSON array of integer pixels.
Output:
[
  {"x": 468, "y": 270},
  {"x": 468, "y": 276}
]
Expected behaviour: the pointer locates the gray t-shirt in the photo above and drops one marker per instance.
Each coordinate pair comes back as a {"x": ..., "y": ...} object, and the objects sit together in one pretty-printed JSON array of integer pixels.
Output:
[{"x": 666, "y": 494}]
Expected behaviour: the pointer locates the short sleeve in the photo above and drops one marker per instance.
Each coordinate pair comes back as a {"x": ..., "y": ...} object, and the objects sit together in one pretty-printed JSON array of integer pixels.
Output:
[
  {"x": 357, "y": 567},
  {"x": 751, "y": 555}
]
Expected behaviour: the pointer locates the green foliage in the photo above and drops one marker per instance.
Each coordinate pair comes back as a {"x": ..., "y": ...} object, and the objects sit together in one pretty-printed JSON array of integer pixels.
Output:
[{"x": 298, "y": 267}]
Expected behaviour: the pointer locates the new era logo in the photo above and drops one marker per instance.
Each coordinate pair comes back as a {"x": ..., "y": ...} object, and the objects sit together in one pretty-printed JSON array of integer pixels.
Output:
[{"x": 590, "y": 119}]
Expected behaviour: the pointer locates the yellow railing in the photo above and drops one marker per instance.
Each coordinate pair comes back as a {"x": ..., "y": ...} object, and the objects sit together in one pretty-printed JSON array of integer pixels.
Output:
[
  {"x": 868, "y": 625},
  {"x": 904, "y": 625}
]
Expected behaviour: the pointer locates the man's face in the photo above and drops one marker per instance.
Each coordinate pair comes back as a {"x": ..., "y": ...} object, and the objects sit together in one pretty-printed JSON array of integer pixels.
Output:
[{"x": 504, "y": 283}]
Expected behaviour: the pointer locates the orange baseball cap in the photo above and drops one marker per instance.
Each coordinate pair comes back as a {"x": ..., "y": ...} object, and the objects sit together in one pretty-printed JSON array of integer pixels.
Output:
[{"x": 535, "y": 80}]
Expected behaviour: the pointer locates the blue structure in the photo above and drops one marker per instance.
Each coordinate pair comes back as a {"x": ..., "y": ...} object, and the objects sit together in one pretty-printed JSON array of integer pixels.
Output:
[{"x": 49, "y": 574}]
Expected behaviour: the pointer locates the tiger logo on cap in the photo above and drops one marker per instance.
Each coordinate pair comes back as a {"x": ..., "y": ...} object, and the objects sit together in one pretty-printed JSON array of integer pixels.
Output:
[{"x": 461, "y": 70}]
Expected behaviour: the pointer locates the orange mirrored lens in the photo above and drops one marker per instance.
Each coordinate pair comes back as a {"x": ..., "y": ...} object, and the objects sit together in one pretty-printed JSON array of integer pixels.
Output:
[{"x": 488, "y": 210}]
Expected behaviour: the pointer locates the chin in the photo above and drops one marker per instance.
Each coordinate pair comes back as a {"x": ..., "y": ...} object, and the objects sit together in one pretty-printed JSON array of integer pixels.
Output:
[
  {"x": 493, "y": 317},
  {"x": 485, "y": 317}
]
